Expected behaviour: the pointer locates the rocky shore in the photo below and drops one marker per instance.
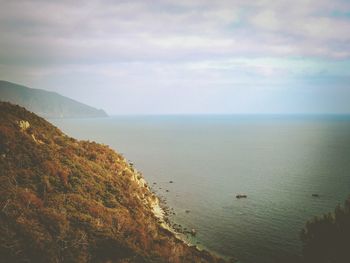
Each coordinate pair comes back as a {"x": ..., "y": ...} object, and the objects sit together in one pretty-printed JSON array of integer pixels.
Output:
[{"x": 65, "y": 200}]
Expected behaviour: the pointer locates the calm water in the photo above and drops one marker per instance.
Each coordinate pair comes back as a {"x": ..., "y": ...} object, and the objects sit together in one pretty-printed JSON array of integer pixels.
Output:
[{"x": 277, "y": 161}]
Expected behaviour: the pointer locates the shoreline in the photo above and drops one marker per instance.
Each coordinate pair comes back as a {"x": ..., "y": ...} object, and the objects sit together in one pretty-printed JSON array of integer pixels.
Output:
[
  {"x": 160, "y": 209},
  {"x": 159, "y": 206},
  {"x": 162, "y": 212}
]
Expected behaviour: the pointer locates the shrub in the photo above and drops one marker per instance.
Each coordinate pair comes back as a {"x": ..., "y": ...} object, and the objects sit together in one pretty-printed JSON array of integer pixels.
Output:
[{"x": 327, "y": 238}]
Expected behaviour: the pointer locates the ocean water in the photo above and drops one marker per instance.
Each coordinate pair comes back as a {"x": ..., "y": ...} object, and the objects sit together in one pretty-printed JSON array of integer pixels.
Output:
[{"x": 278, "y": 161}]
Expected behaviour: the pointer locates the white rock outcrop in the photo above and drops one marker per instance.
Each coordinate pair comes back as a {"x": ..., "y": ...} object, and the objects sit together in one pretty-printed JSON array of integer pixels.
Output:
[{"x": 23, "y": 124}]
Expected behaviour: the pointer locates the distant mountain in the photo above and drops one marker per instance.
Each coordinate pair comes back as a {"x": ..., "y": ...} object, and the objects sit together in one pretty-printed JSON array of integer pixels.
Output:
[{"x": 45, "y": 103}]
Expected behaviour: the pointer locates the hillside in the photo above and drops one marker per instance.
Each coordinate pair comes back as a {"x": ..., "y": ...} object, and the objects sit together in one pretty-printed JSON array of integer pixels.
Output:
[
  {"x": 64, "y": 200},
  {"x": 46, "y": 104}
]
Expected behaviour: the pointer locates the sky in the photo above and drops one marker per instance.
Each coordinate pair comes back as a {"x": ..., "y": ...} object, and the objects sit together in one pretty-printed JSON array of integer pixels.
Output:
[{"x": 182, "y": 57}]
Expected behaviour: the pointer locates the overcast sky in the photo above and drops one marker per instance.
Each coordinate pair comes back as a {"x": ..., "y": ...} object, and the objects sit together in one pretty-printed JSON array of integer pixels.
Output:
[{"x": 191, "y": 56}]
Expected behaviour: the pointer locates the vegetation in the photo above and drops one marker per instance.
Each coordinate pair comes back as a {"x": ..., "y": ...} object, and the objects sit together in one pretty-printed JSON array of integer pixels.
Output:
[
  {"x": 326, "y": 239},
  {"x": 64, "y": 200}
]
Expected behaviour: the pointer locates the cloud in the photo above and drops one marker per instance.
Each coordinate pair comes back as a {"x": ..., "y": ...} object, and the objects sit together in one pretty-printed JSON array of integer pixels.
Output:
[
  {"x": 75, "y": 30},
  {"x": 167, "y": 45}
]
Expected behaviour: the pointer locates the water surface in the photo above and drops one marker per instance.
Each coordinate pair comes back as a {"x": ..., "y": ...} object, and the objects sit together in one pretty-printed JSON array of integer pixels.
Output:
[{"x": 278, "y": 161}]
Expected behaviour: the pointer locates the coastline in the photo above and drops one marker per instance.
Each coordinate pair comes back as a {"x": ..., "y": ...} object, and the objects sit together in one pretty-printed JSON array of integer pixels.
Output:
[
  {"x": 91, "y": 196},
  {"x": 159, "y": 210},
  {"x": 159, "y": 207},
  {"x": 162, "y": 212}
]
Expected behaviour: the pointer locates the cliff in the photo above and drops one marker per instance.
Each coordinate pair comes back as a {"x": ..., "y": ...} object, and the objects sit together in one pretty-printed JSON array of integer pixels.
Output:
[
  {"x": 64, "y": 200},
  {"x": 45, "y": 103}
]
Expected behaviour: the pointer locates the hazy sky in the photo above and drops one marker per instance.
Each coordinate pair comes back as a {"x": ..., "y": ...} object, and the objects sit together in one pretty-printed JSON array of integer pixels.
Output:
[{"x": 191, "y": 56}]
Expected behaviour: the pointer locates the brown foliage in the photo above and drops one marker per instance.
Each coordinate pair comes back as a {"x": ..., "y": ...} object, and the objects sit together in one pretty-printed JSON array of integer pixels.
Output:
[
  {"x": 74, "y": 201},
  {"x": 31, "y": 199},
  {"x": 63, "y": 173}
]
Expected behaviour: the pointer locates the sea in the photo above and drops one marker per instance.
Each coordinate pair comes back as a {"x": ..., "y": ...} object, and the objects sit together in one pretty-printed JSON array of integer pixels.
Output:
[{"x": 278, "y": 161}]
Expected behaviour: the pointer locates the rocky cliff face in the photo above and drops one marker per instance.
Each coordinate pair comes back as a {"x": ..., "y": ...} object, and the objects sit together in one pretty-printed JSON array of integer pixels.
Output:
[{"x": 64, "y": 200}]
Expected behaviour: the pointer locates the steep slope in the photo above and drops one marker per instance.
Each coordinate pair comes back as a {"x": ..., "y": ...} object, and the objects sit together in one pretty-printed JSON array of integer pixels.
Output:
[
  {"x": 64, "y": 200},
  {"x": 44, "y": 103}
]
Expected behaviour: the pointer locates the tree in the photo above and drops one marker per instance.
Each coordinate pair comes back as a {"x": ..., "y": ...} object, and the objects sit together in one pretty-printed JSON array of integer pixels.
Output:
[{"x": 327, "y": 238}]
